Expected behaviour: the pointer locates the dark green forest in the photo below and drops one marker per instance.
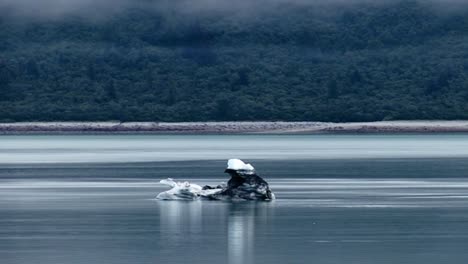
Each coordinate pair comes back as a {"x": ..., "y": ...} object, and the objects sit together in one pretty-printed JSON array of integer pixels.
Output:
[{"x": 288, "y": 61}]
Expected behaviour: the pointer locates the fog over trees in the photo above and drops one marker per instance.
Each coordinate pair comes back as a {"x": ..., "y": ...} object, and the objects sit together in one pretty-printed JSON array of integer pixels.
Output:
[{"x": 233, "y": 60}]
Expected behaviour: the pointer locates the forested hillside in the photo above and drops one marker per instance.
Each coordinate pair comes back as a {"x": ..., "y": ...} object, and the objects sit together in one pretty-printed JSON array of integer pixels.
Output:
[{"x": 287, "y": 61}]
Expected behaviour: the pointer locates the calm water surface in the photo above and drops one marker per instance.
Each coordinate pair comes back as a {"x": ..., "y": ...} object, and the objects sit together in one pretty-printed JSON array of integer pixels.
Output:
[{"x": 341, "y": 199}]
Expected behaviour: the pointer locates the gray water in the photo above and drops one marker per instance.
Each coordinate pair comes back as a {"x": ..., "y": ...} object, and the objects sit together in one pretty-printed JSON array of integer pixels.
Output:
[{"x": 341, "y": 199}]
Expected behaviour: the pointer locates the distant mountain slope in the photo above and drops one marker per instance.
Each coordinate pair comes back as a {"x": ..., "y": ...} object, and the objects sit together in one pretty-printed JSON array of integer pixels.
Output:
[{"x": 292, "y": 61}]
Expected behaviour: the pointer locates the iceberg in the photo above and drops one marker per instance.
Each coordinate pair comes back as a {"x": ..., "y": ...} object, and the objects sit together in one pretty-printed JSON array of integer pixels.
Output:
[
  {"x": 244, "y": 184},
  {"x": 180, "y": 190}
]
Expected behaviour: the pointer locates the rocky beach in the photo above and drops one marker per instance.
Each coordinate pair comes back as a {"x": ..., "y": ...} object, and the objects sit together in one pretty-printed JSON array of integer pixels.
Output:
[{"x": 234, "y": 127}]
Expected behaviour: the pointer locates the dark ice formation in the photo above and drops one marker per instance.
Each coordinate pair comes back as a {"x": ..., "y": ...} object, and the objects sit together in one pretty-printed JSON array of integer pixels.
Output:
[{"x": 243, "y": 184}]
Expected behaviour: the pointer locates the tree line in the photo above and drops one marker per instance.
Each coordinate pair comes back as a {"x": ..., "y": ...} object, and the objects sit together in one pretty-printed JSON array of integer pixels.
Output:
[{"x": 400, "y": 60}]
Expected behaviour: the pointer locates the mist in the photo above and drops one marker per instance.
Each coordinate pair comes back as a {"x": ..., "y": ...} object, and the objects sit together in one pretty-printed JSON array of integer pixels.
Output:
[
  {"x": 102, "y": 9},
  {"x": 53, "y": 9}
]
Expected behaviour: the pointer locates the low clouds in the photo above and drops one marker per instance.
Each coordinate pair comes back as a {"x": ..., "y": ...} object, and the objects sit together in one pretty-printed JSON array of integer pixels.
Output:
[
  {"x": 55, "y": 9},
  {"x": 60, "y": 8}
]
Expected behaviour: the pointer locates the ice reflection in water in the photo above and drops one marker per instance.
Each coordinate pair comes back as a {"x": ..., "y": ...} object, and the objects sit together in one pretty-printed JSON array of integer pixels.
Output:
[
  {"x": 241, "y": 233},
  {"x": 246, "y": 222},
  {"x": 182, "y": 226},
  {"x": 180, "y": 220}
]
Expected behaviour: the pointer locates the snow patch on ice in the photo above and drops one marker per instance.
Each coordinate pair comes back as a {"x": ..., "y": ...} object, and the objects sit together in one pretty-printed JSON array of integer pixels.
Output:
[{"x": 237, "y": 164}]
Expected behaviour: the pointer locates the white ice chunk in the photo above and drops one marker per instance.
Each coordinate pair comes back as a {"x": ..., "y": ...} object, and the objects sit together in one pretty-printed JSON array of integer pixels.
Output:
[
  {"x": 184, "y": 191},
  {"x": 180, "y": 191},
  {"x": 169, "y": 182},
  {"x": 237, "y": 164}
]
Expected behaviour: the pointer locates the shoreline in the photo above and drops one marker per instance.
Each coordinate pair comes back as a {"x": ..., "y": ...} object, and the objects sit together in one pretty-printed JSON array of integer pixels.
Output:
[{"x": 420, "y": 126}]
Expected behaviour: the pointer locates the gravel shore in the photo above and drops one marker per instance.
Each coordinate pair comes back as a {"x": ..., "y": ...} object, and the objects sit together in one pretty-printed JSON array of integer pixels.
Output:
[{"x": 233, "y": 127}]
